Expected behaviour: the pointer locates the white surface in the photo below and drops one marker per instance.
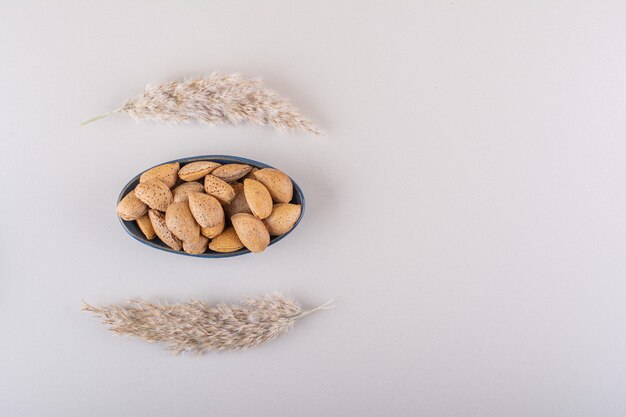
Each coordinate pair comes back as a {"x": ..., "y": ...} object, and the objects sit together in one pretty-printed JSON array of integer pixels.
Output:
[{"x": 466, "y": 208}]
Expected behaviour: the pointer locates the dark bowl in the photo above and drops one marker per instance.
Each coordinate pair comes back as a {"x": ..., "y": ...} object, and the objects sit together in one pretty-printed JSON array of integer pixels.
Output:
[{"x": 133, "y": 230}]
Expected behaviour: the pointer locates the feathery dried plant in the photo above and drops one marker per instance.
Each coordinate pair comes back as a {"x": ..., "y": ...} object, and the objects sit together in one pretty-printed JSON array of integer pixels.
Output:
[
  {"x": 214, "y": 100},
  {"x": 197, "y": 327}
]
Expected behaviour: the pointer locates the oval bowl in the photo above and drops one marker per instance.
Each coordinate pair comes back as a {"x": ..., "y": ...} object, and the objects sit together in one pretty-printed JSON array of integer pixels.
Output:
[{"x": 133, "y": 230}]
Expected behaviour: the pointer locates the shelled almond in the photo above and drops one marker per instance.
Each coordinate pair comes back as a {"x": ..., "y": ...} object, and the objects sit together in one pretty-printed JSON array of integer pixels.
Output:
[{"x": 207, "y": 206}]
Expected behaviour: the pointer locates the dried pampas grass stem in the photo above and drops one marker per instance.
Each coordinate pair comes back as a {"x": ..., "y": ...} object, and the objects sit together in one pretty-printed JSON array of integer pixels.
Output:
[
  {"x": 215, "y": 100},
  {"x": 198, "y": 327}
]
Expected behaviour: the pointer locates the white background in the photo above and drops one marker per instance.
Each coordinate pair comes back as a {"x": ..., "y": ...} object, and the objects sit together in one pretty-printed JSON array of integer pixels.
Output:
[{"x": 466, "y": 209}]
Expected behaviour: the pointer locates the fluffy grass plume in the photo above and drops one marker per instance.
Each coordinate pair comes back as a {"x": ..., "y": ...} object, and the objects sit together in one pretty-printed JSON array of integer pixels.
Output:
[
  {"x": 215, "y": 100},
  {"x": 198, "y": 327}
]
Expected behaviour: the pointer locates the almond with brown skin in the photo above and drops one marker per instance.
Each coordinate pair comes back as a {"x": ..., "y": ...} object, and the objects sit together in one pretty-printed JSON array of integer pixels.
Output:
[
  {"x": 145, "y": 225},
  {"x": 168, "y": 173},
  {"x": 277, "y": 183},
  {"x": 161, "y": 230},
  {"x": 258, "y": 198},
  {"x": 181, "y": 192},
  {"x": 227, "y": 241},
  {"x": 283, "y": 218},
  {"x": 239, "y": 203},
  {"x": 219, "y": 189},
  {"x": 196, "y": 246},
  {"x": 231, "y": 172},
  {"x": 155, "y": 194},
  {"x": 131, "y": 208},
  {"x": 196, "y": 170},
  {"x": 180, "y": 221},
  {"x": 251, "y": 232}
]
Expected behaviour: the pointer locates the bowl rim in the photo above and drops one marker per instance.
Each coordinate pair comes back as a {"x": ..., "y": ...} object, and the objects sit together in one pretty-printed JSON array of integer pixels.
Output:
[{"x": 209, "y": 255}]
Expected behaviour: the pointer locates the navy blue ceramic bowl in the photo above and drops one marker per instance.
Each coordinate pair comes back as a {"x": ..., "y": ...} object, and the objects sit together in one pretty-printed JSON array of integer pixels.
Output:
[{"x": 133, "y": 230}]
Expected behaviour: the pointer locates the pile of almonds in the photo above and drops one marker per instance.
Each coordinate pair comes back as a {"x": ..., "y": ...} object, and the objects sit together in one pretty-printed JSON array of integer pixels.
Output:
[{"x": 205, "y": 204}]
